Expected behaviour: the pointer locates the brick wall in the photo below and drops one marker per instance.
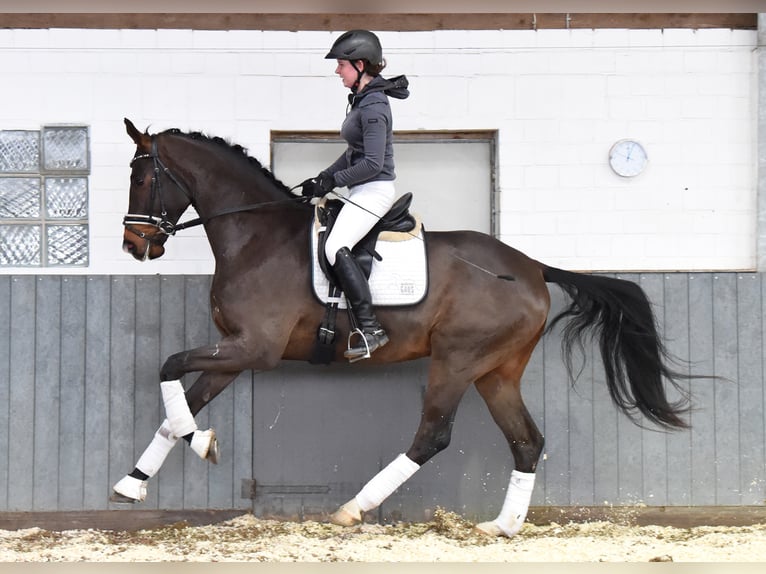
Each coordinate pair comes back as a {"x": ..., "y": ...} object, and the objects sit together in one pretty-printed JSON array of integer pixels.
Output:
[{"x": 559, "y": 98}]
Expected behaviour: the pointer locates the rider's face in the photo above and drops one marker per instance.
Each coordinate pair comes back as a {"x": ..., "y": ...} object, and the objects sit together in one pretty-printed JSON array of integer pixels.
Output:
[{"x": 347, "y": 73}]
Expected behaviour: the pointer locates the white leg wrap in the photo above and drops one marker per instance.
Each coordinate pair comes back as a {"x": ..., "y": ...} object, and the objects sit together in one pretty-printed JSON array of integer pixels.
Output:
[
  {"x": 157, "y": 451},
  {"x": 177, "y": 410},
  {"x": 514, "y": 512},
  {"x": 385, "y": 482}
]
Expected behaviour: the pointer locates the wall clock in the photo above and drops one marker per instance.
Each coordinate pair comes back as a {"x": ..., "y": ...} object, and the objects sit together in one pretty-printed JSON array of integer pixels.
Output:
[{"x": 627, "y": 158}]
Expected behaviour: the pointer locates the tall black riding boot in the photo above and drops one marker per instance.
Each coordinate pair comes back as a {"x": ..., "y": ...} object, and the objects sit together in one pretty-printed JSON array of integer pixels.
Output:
[{"x": 357, "y": 290}]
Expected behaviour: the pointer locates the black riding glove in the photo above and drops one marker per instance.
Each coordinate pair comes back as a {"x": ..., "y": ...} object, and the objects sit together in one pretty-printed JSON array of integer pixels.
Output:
[
  {"x": 325, "y": 183},
  {"x": 319, "y": 186},
  {"x": 307, "y": 187}
]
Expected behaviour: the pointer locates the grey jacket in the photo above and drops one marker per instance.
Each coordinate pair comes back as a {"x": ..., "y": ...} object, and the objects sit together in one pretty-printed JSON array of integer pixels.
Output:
[{"x": 368, "y": 130}]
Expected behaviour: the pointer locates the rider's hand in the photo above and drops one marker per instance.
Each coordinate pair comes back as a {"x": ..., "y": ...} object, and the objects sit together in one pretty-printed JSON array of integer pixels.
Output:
[
  {"x": 326, "y": 183},
  {"x": 309, "y": 188}
]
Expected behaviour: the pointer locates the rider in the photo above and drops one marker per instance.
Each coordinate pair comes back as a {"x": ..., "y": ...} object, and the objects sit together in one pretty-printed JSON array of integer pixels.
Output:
[{"x": 366, "y": 168}]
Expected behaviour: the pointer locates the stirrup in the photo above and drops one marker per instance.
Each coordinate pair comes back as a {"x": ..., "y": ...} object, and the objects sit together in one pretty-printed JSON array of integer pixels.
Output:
[{"x": 376, "y": 340}]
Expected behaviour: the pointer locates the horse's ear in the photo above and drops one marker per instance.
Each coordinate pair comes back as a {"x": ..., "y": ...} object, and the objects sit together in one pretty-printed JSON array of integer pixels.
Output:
[{"x": 141, "y": 140}]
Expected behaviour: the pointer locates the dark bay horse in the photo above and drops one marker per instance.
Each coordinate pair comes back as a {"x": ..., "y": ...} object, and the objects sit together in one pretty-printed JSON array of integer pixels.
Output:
[{"x": 485, "y": 311}]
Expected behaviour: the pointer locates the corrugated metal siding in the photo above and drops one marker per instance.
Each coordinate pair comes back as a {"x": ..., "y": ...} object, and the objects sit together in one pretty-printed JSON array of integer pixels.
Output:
[{"x": 79, "y": 402}]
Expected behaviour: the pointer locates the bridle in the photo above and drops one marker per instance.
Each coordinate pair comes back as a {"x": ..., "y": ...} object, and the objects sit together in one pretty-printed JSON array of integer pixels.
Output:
[{"x": 162, "y": 224}]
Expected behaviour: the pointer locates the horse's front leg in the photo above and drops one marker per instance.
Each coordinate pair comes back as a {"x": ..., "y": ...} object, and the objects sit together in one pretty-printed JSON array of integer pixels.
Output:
[{"x": 132, "y": 487}]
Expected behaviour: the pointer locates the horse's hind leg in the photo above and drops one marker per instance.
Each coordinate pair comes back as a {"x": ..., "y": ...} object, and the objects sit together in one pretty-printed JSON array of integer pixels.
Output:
[
  {"x": 443, "y": 394},
  {"x": 132, "y": 487},
  {"x": 501, "y": 391}
]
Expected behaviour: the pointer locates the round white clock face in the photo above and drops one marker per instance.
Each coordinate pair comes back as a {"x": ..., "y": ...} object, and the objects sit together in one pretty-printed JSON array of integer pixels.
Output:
[{"x": 627, "y": 158}]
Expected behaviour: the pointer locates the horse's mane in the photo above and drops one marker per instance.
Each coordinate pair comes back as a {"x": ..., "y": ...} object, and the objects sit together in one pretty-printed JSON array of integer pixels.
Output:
[{"x": 237, "y": 150}]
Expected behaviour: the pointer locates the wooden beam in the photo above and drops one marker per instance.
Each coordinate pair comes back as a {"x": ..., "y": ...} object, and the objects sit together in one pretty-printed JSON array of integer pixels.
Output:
[{"x": 398, "y": 22}]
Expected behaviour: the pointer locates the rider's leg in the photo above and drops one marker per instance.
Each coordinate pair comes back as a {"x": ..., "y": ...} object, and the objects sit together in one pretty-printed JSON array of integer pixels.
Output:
[{"x": 368, "y": 203}]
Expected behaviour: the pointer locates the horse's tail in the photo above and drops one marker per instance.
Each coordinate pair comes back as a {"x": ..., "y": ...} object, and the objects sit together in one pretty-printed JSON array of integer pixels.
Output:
[{"x": 620, "y": 315}]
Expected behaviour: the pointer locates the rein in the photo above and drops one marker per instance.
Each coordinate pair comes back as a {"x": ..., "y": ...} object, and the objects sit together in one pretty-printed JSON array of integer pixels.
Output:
[{"x": 163, "y": 224}]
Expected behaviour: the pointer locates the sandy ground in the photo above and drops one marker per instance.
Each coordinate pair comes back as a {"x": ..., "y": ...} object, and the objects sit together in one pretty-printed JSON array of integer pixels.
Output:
[{"x": 448, "y": 538}]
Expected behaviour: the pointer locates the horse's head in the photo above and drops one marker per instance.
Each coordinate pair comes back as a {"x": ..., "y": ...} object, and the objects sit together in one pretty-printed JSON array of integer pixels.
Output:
[{"x": 157, "y": 199}]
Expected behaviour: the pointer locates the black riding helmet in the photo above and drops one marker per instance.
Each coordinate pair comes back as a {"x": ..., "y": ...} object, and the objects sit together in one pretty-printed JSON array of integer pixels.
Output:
[{"x": 357, "y": 45}]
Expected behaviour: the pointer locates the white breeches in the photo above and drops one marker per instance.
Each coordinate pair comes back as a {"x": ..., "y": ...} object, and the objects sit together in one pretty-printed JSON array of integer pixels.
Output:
[{"x": 371, "y": 201}]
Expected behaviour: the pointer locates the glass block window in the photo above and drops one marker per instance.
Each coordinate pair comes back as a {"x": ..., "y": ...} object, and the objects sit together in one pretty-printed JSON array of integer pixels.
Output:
[{"x": 44, "y": 197}]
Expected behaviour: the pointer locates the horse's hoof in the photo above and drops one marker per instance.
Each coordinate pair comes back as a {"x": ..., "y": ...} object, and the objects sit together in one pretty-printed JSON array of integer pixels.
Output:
[
  {"x": 122, "y": 499},
  {"x": 213, "y": 452},
  {"x": 347, "y": 515},
  {"x": 205, "y": 444},
  {"x": 128, "y": 490},
  {"x": 494, "y": 529},
  {"x": 489, "y": 529}
]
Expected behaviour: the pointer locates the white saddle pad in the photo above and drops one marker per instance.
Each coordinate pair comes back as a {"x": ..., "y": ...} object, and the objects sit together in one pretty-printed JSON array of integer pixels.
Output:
[{"x": 399, "y": 278}]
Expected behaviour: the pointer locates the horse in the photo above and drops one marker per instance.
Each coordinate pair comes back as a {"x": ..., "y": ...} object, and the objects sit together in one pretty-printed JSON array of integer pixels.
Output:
[{"x": 486, "y": 309}]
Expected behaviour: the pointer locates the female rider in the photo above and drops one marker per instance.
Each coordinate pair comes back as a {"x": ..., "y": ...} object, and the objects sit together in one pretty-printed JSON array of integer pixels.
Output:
[{"x": 366, "y": 168}]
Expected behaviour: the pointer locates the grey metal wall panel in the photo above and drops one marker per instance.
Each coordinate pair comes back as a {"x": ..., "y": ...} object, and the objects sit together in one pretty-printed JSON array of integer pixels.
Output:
[
  {"x": 147, "y": 411},
  {"x": 97, "y": 448},
  {"x": 80, "y": 366},
  {"x": 675, "y": 313},
  {"x": 22, "y": 394},
  {"x": 701, "y": 419},
  {"x": 654, "y": 452},
  {"x": 47, "y": 391},
  {"x": 72, "y": 390},
  {"x": 751, "y": 389},
  {"x": 5, "y": 387},
  {"x": 726, "y": 395}
]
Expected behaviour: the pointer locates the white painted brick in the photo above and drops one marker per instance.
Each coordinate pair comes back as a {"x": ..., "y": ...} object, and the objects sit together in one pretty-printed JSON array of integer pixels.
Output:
[
  {"x": 441, "y": 98},
  {"x": 257, "y": 97},
  {"x": 178, "y": 39},
  {"x": 316, "y": 41},
  {"x": 490, "y": 95},
  {"x": 220, "y": 64},
  {"x": 428, "y": 64},
  {"x": 538, "y": 97},
  {"x": 645, "y": 38},
  {"x": 211, "y": 98},
  {"x": 463, "y": 64},
  {"x": 516, "y": 39},
  {"x": 551, "y": 38},
  {"x": 293, "y": 63},
  {"x": 278, "y": 40},
  {"x": 610, "y": 38},
  {"x": 186, "y": 63},
  {"x": 7, "y": 38},
  {"x": 138, "y": 39},
  {"x": 450, "y": 39},
  {"x": 258, "y": 63},
  {"x": 581, "y": 38},
  {"x": 414, "y": 41},
  {"x": 675, "y": 37},
  {"x": 38, "y": 39},
  {"x": 578, "y": 62},
  {"x": 745, "y": 38}
]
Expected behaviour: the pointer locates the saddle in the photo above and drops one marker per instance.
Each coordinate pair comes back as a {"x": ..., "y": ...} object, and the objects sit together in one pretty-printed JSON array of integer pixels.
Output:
[{"x": 397, "y": 219}]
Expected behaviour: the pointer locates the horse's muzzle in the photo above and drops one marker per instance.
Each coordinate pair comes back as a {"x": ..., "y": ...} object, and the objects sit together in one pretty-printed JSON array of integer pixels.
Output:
[{"x": 143, "y": 246}]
